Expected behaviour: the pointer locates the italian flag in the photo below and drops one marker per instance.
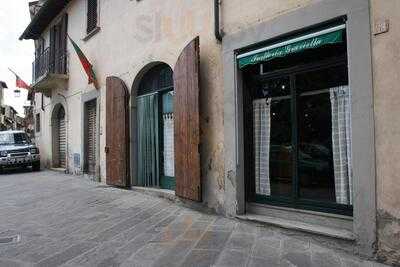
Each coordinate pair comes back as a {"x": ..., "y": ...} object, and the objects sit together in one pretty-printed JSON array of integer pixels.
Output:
[
  {"x": 19, "y": 82},
  {"x": 85, "y": 64}
]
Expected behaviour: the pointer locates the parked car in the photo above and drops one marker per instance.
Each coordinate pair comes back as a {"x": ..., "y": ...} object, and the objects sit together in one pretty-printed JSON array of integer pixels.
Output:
[{"x": 17, "y": 151}]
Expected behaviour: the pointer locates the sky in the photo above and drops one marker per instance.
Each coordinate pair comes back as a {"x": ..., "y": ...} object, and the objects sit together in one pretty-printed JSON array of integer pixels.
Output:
[{"x": 15, "y": 54}]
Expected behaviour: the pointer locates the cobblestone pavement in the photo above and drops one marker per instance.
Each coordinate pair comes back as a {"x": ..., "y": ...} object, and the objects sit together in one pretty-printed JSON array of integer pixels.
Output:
[{"x": 67, "y": 220}]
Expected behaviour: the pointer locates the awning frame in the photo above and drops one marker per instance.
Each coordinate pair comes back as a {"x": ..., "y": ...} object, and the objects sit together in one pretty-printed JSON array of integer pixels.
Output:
[
  {"x": 285, "y": 48},
  {"x": 291, "y": 41}
]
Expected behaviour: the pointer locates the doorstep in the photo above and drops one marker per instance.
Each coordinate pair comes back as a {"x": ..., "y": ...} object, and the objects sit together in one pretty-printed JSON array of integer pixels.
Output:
[
  {"x": 63, "y": 170},
  {"x": 158, "y": 192},
  {"x": 299, "y": 226},
  {"x": 171, "y": 196}
]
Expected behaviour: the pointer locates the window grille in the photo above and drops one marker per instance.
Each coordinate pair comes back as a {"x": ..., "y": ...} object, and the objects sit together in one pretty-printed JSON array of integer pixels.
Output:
[{"x": 156, "y": 79}]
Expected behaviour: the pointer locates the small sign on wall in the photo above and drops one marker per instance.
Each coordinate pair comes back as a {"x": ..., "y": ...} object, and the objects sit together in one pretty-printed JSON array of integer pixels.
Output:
[{"x": 381, "y": 26}]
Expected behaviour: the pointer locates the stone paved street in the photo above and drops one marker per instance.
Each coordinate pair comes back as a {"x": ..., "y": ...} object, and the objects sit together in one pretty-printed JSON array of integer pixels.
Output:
[{"x": 54, "y": 219}]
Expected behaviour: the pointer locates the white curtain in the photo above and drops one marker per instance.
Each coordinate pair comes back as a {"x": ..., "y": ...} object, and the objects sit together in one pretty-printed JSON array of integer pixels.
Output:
[
  {"x": 341, "y": 143},
  {"x": 169, "y": 167},
  {"x": 262, "y": 125}
]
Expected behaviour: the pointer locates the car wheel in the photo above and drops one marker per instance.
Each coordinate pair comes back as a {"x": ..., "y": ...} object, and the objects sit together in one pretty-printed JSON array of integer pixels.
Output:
[{"x": 36, "y": 166}]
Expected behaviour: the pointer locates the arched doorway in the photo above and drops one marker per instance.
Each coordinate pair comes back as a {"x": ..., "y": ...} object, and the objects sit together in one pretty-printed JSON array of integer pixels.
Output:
[
  {"x": 59, "y": 134},
  {"x": 155, "y": 128}
]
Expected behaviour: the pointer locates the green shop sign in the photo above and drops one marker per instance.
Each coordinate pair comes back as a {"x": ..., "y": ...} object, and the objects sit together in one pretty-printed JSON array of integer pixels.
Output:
[{"x": 291, "y": 48}]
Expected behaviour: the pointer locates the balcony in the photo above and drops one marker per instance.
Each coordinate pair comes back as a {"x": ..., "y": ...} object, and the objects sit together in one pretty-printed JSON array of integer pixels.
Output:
[{"x": 50, "y": 71}]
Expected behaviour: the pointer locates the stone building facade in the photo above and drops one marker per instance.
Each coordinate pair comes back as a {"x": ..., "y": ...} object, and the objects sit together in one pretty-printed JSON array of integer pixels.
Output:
[{"x": 142, "y": 43}]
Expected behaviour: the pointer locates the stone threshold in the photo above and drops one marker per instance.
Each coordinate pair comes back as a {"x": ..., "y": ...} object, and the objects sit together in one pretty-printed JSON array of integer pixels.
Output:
[
  {"x": 63, "y": 170},
  {"x": 171, "y": 196},
  {"x": 158, "y": 192},
  {"x": 299, "y": 226}
]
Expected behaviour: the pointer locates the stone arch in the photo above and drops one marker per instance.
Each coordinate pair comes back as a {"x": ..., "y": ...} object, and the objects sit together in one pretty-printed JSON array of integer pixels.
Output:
[
  {"x": 138, "y": 78},
  {"x": 59, "y": 136}
]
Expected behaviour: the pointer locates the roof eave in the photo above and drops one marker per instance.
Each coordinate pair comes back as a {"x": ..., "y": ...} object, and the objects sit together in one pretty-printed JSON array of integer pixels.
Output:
[{"x": 49, "y": 10}]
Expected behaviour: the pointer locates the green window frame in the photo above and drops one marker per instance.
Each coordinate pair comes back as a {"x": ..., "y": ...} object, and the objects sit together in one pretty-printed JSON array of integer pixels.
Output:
[
  {"x": 158, "y": 84},
  {"x": 294, "y": 200}
]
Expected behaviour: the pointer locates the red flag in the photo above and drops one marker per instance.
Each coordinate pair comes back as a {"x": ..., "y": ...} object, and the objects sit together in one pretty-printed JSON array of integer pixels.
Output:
[
  {"x": 19, "y": 82},
  {"x": 85, "y": 64}
]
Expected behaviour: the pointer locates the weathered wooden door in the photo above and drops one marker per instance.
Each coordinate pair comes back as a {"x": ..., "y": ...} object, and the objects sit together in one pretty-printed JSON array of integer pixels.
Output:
[
  {"x": 117, "y": 132},
  {"x": 186, "y": 129}
]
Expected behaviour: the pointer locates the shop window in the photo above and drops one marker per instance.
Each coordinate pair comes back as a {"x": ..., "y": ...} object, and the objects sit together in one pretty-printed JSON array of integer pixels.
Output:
[{"x": 297, "y": 118}]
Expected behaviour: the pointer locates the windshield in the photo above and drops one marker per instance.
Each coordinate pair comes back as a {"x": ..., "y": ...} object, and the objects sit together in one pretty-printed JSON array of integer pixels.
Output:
[{"x": 14, "y": 139}]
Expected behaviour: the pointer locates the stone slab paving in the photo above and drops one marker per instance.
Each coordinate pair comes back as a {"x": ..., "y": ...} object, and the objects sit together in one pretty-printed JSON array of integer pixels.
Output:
[{"x": 63, "y": 220}]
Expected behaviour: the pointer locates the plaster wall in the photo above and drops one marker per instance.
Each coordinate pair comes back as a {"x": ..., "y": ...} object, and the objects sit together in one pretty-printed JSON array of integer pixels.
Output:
[
  {"x": 239, "y": 15},
  {"x": 386, "y": 71},
  {"x": 132, "y": 35},
  {"x": 135, "y": 33}
]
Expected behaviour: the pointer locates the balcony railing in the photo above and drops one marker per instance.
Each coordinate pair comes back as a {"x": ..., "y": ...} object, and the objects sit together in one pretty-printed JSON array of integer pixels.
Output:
[{"x": 49, "y": 62}]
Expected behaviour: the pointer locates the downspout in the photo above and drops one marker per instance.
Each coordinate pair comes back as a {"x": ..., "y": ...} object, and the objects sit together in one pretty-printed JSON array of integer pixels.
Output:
[{"x": 217, "y": 30}]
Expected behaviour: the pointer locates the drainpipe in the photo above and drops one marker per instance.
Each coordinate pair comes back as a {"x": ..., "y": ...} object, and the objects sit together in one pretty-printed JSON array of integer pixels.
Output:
[{"x": 217, "y": 30}]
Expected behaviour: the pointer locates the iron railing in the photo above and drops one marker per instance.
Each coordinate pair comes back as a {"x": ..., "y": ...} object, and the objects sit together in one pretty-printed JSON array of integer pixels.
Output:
[{"x": 50, "y": 61}]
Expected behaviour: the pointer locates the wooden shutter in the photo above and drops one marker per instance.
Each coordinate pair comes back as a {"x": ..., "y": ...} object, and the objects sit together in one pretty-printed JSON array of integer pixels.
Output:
[
  {"x": 57, "y": 50},
  {"x": 186, "y": 129},
  {"x": 39, "y": 49},
  {"x": 63, "y": 45},
  {"x": 117, "y": 132},
  {"x": 52, "y": 49},
  {"x": 91, "y": 15}
]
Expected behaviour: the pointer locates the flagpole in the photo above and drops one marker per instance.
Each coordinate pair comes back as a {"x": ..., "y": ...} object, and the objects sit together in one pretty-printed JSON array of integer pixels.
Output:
[
  {"x": 12, "y": 71},
  {"x": 87, "y": 66}
]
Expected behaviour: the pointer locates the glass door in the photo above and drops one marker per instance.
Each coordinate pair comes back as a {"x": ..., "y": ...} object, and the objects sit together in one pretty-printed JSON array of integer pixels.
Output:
[{"x": 301, "y": 139}]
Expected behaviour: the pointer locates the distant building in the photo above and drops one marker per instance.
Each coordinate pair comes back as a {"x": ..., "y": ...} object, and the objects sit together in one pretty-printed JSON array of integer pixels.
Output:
[
  {"x": 28, "y": 124},
  {"x": 3, "y": 85},
  {"x": 8, "y": 118}
]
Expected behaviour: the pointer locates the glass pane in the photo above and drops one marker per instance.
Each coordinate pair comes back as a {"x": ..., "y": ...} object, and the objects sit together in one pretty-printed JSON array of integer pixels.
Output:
[
  {"x": 315, "y": 164},
  {"x": 272, "y": 138},
  {"x": 168, "y": 135},
  {"x": 322, "y": 79},
  {"x": 274, "y": 88},
  {"x": 324, "y": 151},
  {"x": 281, "y": 148}
]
